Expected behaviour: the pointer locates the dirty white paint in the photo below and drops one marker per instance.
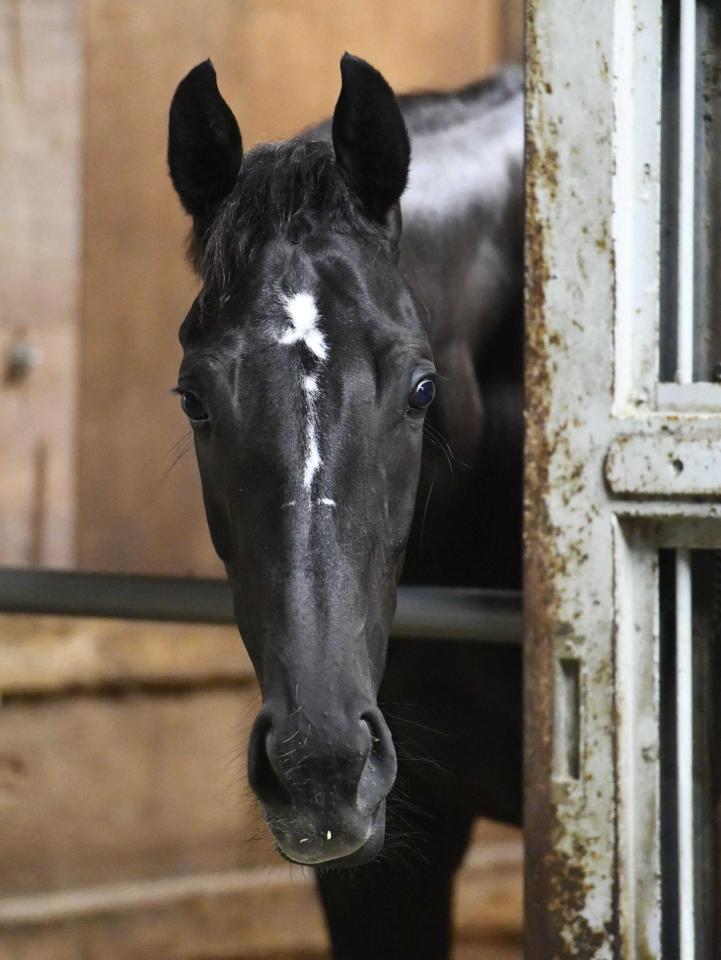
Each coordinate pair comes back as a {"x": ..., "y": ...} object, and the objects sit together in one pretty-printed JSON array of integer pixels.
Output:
[{"x": 653, "y": 463}]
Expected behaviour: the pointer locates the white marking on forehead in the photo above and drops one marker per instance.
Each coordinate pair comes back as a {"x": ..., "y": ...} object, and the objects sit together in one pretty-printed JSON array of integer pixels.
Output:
[{"x": 303, "y": 314}]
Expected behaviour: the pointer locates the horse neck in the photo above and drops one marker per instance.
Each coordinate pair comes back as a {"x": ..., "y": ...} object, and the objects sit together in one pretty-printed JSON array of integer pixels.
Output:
[{"x": 462, "y": 254}]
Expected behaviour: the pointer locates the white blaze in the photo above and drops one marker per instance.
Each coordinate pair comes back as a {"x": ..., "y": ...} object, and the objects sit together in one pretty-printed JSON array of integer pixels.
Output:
[
  {"x": 303, "y": 315},
  {"x": 302, "y": 312}
]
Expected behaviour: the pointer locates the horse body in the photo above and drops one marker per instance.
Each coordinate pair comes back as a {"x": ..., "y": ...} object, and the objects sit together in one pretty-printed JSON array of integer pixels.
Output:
[
  {"x": 461, "y": 249},
  {"x": 334, "y": 284}
]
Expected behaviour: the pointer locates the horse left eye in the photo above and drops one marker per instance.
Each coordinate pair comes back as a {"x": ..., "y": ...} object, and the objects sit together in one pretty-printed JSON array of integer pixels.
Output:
[{"x": 422, "y": 394}]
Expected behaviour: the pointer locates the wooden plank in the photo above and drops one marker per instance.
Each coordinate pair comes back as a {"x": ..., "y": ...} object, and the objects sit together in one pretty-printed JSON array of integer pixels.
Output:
[
  {"x": 248, "y": 914},
  {"x": 278, "y": 66},
  {"x": 488, "y": 903},
  {"x": 135, "y": 797},
  {"x": 51, "y": 654},
  {"x": 241, "y": 914},
  {"x": 41, "y": 88},
  {"x": 137, "y": 785},
  {"x": 149, "y": 783},
  {"x": 489, "y": 949},
  {"x": 513, "y": 17}
]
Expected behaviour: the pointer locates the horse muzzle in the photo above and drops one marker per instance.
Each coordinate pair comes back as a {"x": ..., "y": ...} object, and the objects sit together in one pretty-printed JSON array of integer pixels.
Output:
[
  {"x": 357, "y": 839},
  {"x": 322, "y": 785}
]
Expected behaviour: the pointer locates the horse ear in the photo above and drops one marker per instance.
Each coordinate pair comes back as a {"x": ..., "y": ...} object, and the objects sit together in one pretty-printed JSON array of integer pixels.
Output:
[
  {"x": 205, "y": 149},
  {"x": 370, "y": 138}
]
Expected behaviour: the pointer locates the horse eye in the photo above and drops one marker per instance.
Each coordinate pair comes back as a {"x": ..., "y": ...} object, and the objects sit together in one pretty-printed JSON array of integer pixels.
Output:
[
  {"x": 422, "y": 394},
  {"x": 192, "y": 406}
]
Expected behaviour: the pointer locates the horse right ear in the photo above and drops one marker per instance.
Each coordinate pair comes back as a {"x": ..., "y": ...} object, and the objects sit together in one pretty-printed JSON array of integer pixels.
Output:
[{"x": 205, "y": 149}]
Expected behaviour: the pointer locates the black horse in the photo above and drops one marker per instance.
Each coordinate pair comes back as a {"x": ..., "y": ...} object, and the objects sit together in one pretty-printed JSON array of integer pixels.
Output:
[{"x": 326, "y": 324}]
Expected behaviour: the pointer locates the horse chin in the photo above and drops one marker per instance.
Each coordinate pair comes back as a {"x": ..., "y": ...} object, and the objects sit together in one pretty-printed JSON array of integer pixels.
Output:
[{"x": 345, "y": 852}]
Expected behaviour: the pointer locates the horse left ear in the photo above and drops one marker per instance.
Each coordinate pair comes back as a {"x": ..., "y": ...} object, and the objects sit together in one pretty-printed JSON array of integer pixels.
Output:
[{"x": 370, "y": 138}]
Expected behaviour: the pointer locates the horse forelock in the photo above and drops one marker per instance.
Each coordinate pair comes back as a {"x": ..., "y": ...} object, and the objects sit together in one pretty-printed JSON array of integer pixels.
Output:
[{"x": 284, "y": 189}]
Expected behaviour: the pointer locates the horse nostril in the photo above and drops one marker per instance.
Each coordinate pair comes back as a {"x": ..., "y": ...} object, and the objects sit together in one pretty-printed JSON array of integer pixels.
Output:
[
  {"x": 379, "y": 771},
  {"x": 263, "y": 778},
  {"x": 381, "y": 740},
  {"x": 327, "y": 768}
]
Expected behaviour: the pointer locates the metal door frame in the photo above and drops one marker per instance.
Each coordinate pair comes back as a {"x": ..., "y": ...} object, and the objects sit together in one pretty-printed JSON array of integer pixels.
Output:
[{"x": 617, "y": 466}]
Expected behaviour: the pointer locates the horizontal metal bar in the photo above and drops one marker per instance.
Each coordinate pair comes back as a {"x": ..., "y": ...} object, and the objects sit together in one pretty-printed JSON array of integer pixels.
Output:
[
  {"x": 689, "y": 397},
  {"x": 671, "y": 465},
  {"x": 458, "y": 613},
  {"x": 422, "y": 612}
]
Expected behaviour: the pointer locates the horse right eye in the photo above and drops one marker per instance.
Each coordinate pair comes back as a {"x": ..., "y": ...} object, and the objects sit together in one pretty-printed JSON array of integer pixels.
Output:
[{"x": 193, "y": 407}]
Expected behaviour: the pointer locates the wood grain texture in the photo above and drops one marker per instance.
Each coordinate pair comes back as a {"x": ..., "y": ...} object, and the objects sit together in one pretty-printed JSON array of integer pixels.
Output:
[
  {"x": 513, "y": 30},
  {"x": 139, "y": 785},
  {"x": 51, "y": 654},
  {"x": 234, "y": 915},
  {"x": 271, "y": 914},
  {"x": 126, "y": 826},
  {"x": 41, "y": 77}
]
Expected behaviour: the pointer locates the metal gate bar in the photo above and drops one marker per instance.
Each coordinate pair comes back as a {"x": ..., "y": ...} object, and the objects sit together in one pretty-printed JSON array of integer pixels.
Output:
[{"x": 422, "y": 612}]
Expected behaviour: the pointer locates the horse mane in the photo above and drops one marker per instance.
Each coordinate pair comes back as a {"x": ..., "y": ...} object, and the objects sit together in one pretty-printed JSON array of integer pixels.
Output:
[{"x": 282, "y": 190}]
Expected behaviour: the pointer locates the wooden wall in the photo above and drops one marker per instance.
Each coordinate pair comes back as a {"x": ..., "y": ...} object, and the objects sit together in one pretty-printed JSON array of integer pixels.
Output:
[
  {"x": 127, "y": 830},
  {"x": 277, "y": 62},
  {"x": 40, "y": 261}
]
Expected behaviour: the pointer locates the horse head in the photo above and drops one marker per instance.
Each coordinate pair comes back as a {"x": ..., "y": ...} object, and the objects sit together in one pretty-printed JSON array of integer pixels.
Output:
[{"x": 306, "y": 375}]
